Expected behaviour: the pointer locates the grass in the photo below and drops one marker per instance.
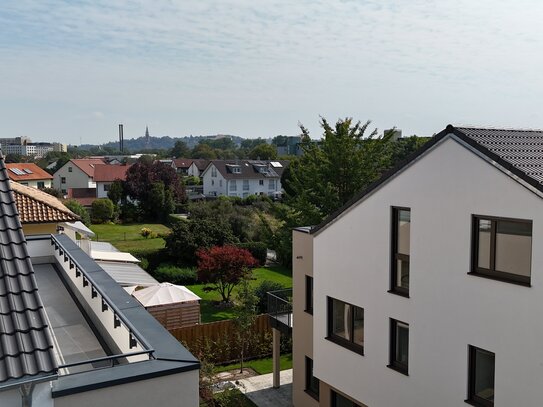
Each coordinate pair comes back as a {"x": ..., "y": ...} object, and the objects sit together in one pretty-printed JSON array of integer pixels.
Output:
[
  {"x": 261, "y": 366},
  {"x": 127, "y": 237},
  {"x": 235, "y": 398},
  {"x": 210, "y": 313}
]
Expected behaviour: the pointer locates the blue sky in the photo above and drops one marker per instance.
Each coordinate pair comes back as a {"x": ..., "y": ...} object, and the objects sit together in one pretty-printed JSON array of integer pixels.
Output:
[{"x": 72, "y": 70}]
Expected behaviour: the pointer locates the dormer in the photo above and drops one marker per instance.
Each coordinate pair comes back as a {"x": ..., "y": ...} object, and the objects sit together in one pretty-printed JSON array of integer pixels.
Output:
[{"x": 234, "y": 168}]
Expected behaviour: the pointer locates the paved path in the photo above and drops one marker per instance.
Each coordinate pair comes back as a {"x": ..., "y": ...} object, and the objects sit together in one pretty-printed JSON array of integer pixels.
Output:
[{"x": 261, "y": 392}]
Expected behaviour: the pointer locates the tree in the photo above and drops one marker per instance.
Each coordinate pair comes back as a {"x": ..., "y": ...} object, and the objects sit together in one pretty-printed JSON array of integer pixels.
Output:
[
  {"x": 246, "y": 312},
  {"x": 13, "y": 158},
  {"x": 263, "y": 152},
  {"x": 187, "y": 237},
  {"x": 222, "y": 268},
  {"x": 116, "y": 191},
  {"x": 204, "y": 151},
  {"x": 156, "y": 186},
  {"x": 79, "y": 210},
  {"x": 54, "y": 192},
  {"x": 180, "y": 150},
  {"x": 332, "y": 170},
  {"x": 102, "y": 210}
]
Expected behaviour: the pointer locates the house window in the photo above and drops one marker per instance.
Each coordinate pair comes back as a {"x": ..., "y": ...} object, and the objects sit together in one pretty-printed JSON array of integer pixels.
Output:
[
  {"x": 212, "y": 182},
  {"x": 340, "y": 401},
  {"x": 346, "y": 325},
  {"x": 502, "y": 249},
  {"x": 481, "y": 377},
  {"x": 271, "y": 184},
  {"x": 62, "y": 180},
  {"x": 399, "y": 346},
  {"x": 236, "y": 170},
  {"x": 41, "y": 184},
  {"x": 311, "y": 382},
  {"x": 260, "y": 182},
  {"x": 220, "y": 183},
  {"x": 309, "y": 294},
  {"x": 245, "y": 184},
  {"x": 401, "y": 231},
  {"x": 233, "y": 185},
  {"x": 213, "y": 171},
  {"x": 63, "y": 191},
  {"x": 69, "y": 169},
  {"x": 106, "y": 187}
]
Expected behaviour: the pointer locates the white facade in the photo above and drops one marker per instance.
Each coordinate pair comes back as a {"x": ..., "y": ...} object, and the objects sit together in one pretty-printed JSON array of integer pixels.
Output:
[
  {"x": 102, "y": 188},
  {"x": 37, "y": 183},
  {"x": 447, "y": 309},
  {"x": 216, "y": 185},
  {"x": 71, "y": 176}
]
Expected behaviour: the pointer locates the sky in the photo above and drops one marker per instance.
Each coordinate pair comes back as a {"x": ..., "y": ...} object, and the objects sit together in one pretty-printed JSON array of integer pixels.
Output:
[{"x": 71, "y": 71}]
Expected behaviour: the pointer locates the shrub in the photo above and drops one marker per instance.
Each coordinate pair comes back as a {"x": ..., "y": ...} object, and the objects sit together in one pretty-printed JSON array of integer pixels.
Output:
[
  {"x": 102, "y": 210},
  {"x": 78, "y": 209},
  {"x": 129, "y": 213},
  {"x": 175, "y": 275},
  {"x": 146, "y": 232},
  {"x": 261, "y": 292},
  {"x": 259, "y": 250}
]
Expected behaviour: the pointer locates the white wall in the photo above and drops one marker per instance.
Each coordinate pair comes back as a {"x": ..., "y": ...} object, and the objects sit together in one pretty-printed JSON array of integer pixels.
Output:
[
  {"x": 74, "y": 179},
  {"x": 447, "y": 309},
  {"x": 34, "y": 183},
  {"x": 212, "y": 185},
  {"x": 100, "y": 189}
]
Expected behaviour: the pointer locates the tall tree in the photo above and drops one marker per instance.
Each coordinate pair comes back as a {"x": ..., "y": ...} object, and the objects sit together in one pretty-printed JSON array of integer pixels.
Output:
[
  {"x": 180, "y": 150},
  {"x": 246, "y": 312},
  {"x": 263, "y": 152}
]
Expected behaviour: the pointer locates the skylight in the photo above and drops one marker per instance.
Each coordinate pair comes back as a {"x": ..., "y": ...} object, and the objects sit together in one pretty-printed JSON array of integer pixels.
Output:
[
  {"x": 17, "y": 171},
  {"x": 276, "y": 164}
]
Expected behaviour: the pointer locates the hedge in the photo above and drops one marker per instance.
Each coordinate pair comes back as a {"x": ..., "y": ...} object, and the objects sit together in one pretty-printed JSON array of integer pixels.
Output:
[{"x": 259, "y": 250}]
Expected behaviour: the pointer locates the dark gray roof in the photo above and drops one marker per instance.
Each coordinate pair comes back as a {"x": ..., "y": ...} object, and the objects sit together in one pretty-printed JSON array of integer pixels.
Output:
[
  {"x": 26, "y": 349},
  {"x": 517, "y": 151},
  {"x": 249, "y": 168},
  {"x": 521, "y": 148}
]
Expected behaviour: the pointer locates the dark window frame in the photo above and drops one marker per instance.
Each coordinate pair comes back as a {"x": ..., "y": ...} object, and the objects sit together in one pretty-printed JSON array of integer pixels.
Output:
[
  {"x": 473, "y": 399},
  {"x": 338, "y": 340},
  {"x": 333, "y": 399},
  {"x": 308, "y": 376},
  {"x": 309, "y": 294},
  {"x": 394, "y": 255},
  {"x": 393, "y": 361},
  {"x": 491, "y": 272},
  {"x": 62, "y": 180}
]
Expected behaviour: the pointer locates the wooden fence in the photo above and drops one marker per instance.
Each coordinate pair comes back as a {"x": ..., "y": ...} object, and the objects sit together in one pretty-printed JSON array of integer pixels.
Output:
[{"x": 218, "y": 341}]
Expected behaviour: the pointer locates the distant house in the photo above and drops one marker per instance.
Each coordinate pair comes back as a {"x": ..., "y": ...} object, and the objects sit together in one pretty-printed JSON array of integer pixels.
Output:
[
  {"x": 243, "y": 178},
  {"x": 197, "y": 167},
  {"x": 76, "y": 173},
  {"x": 39, "y": 212},
  {"x": 105, "y": 175},
  {"x": 29, "y": 174},
  {"x": 189, "y": 166}
]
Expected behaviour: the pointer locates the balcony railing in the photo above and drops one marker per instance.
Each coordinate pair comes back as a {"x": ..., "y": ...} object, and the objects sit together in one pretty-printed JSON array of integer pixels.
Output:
[{"x": 280, "y": 308}]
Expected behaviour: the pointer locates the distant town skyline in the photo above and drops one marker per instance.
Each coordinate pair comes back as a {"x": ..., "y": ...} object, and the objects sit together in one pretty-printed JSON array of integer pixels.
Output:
[{"x": 73, "y": 70}]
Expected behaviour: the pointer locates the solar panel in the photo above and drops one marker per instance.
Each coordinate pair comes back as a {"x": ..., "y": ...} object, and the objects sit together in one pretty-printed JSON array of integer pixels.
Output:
[
  {"x": 276, "y": 164},
  {"x": 28, "y": 171},
  {"x": 17, "y": 171}
]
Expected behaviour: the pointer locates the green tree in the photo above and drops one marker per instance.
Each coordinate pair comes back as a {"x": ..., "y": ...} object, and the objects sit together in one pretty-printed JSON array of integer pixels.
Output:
[
  {"x": 246, "y": 313},
  {"x": 116, "y": 191},
  {"x": 79, "y": 210},
  {"x": 204, "y": 151},
  {"x": 180, "y": 150},
  {"x": 102, "y": 210},
  {"x": 263, "y": 152}
]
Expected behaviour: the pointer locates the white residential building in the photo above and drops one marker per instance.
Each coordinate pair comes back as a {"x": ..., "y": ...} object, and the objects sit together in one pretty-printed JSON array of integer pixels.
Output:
[
  {"x": 29, "y": 174},
  {"x": 427, "y": 289},
  {"x": 243, "y": 178},
  {"x": 105, "y": 175},
  {"x": 76, "y": 173}
]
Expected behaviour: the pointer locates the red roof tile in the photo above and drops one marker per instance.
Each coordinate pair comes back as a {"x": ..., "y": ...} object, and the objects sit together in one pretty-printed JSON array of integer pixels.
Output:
[
  {"x": 109, "y": 173},
  {"x": 26, "y": 172},
  {"x": 87, "y": 164}
]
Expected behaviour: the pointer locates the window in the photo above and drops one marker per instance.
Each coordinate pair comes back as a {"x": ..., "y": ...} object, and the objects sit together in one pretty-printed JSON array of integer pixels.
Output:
[
  {"x": 41, "y": 184},
  {"x": 311, "y": 382},
  {"x": 245, "y": 184},
  {"x": 346, "y": 325},
  {"x": 340, "y": 401},
  {"x": 481, "y": 377},
  {"x": 213, "y": 171},
  {"x": 220, "y": 183},
  {"x": 69, "y": 169},
  {"x": 63, "y": 191},
  {"x": 271, "y": 184},
  {"x": 24, "y": 183},
  {"x": 212, "y": 182},
  {"x": 502, "y": 249},
  {"x": 260, "y": 182},
  {"x": 106, "y": 187},
  {"x": 399, "y": 346},
  {"x": 309, "y": 294},
  {"x": 236, "y": 170},
  {"x": 62, "y": 180},
  {"x": 233, "y": 185},
  {"x": 401, "y": 230}
]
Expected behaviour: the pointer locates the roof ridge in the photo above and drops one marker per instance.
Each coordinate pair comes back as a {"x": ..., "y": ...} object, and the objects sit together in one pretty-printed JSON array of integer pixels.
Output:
[{"x": 498, "y": 128}]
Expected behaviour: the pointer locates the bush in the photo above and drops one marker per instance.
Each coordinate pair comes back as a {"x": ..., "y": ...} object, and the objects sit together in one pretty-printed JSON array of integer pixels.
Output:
[
  {"x": 261, "y": 292},
  {"x": 259, "y": 250},
  {"x": 175, "y": 275},
  {"x": 78, "y": 209},
  {"x": 146, "y": 232},
  {"x": 129, "y": 213},
  {"x": 102, "y": 210}
]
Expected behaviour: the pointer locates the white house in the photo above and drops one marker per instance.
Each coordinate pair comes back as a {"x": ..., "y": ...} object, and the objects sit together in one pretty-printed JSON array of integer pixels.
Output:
[
  {"x": 29, "y": 174},
  {"x": 243, "y": 177},
  {"x": 105, "y": 175},
  {"x": 427, "y": 289},
  {"x": 76, "y": 173}
]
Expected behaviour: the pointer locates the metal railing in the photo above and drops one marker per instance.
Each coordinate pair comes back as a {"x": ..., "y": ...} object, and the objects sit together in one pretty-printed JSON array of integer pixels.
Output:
[
  {"x": 280, "y": 305},
  {"x": 111, "y": 359}
]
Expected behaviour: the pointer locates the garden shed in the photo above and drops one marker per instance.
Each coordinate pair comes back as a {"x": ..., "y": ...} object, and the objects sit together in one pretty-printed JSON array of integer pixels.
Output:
[{"x": 174, "y": 306}]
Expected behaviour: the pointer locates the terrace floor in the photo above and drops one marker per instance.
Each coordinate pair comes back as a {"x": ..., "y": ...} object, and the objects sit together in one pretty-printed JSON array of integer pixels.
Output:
[{"x": 73, "y": 338}]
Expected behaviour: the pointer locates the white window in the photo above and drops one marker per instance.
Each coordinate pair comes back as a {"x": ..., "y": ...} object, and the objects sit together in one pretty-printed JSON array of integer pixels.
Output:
[
  {"x": 213, "y": 171},
  {"x": 233, "y": 185},
  {"x": 271, "y": 185},
  {"x": 220, "y": 183},
  {"x": 236, "y": 170},
  {"x": 260, "y": 182},
  {"x": 245, "y": 184}
]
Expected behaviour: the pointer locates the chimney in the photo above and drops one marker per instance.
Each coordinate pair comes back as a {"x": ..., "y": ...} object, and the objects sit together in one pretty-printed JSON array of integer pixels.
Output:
[{"x": 121, "y": 140}]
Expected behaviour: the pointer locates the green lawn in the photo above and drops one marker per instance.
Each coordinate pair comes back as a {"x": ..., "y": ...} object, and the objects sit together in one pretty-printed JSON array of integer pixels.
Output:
[
  {"x": 261, "y": 366},
  {"x": 127, "y": 237},
  {"x": 210, "y": 313}
]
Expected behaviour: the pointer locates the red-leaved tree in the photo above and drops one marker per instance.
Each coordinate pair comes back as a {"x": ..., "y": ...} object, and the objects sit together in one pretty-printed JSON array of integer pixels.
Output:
[{"x": 221, "y": 268}]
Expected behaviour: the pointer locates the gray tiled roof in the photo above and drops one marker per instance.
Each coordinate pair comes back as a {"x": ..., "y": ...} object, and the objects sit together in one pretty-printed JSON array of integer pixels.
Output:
[
  {"x": 248, "y": 168},
  {"x": 26, "y": 349},
  {"x": 521, "y": 148}
]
